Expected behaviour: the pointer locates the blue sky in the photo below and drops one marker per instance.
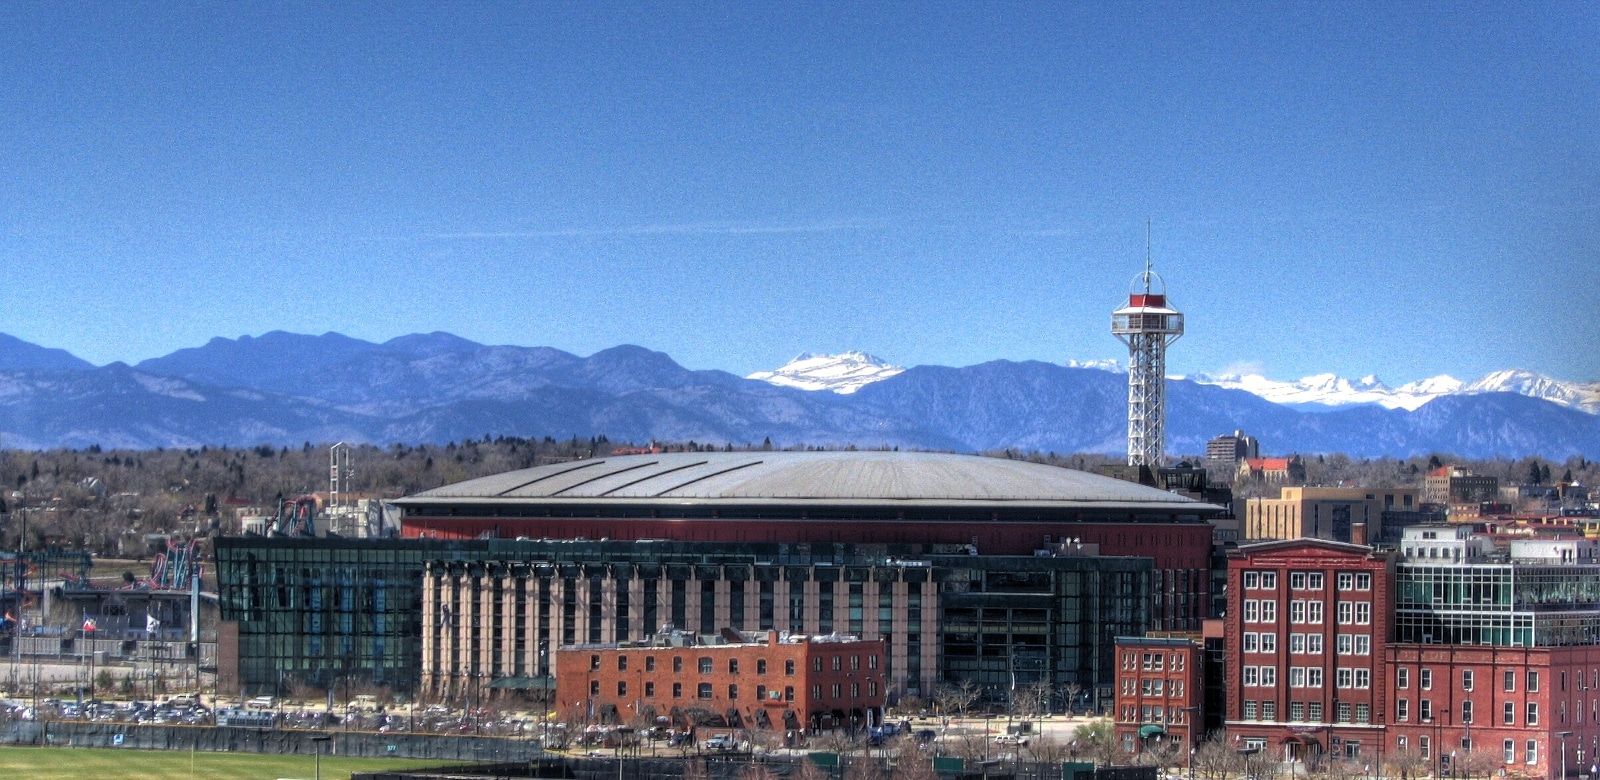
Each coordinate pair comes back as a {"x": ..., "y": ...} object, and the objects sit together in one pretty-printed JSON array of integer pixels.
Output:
[{"x": 1400, "y": 189}]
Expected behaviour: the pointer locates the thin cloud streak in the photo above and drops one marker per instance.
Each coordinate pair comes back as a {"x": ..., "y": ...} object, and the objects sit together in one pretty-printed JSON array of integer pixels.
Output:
[{"x": 707, "y": 229}]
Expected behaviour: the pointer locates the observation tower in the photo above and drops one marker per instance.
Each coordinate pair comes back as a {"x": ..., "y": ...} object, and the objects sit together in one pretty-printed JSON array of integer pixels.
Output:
[{"x": 1147, "y": 325}]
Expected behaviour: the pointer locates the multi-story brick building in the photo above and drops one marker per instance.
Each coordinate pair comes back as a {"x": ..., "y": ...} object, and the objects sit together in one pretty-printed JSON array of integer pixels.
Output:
[
  {"x": 764, "y": 679},
  {"x": 1337, "y": 514},
  {"x": 1482, "y": 659},
  {"x": 1160, "y": 692},
  {"x": 1307, "y": 623}
]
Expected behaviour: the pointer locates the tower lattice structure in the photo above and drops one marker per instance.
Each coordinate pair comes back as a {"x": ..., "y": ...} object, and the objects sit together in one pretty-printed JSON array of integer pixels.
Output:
[{"x": 1147, "y": 325}]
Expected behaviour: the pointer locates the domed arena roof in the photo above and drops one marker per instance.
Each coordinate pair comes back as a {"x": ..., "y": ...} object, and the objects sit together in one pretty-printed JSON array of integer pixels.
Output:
[{"x": 830, "y": 477}]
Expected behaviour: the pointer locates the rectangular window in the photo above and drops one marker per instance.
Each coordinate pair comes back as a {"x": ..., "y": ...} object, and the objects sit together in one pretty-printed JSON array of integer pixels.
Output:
[
  {"x": 1314, "y": 710},
  {"x": 1425, "y": 746},
  {"x": 1510, "y": 682},
  {"x": 835, "y": 690},
  {"x": 1532, "y": 756},
  {"x": 1252, "y": 580},
  {"x": 1402, "y": 710},
  {"x": 1363, "y": 644},
  {"x": 1425, "y": 679},
  {"x": 1249, "y": 710},
  {"x": 1363, "y": 713},
  {"x": 1346, "y": 644},
  {"x": 1297, "y": 678},
  {"x": 761, "y": 666},
  {"x": 1269, "y": 643},
  {"x": 1508, "y": 713},
  {"x": 1347, "y": 613},
  {"x": 1314, "y": 644},
  {"x": 1466, "y": 679},
  {"x": 1269, "y": 676},
  {"x": 1297, "y": 643},
  {"x": 705, "y": 690},
  {"x": 1466, "y": 712},
  {"x": 1252, "y": 611},
  {"x": 622, "y": 663},
  {"x": 677, "y": 665},
  {"x": 1314, "y": 613},
  {"x": 1344, "y": 712},
  {"x": 1269, "y": 580},
  {"x": 733, "y": 693},
  {"x": 1346, "y": 581},
  {"x": 594, "y": 687},
  {"x": 1314, "y": 581},
  {"x": 649, "y": 690},
  {"x": 816, "y": 692},
  {"x": 649, "y": 663},
  {"x": 1533, "y": 714},
  {"x": 1297, "y": 581},
  {"x": 705, "y": 666},
  {"x": 1269, "y": 611},
  {"x": 622, "y": 688},
  {"x": 1425, "y": 710},
  {"x": 1510, "y": 749},
  {"x": 1363, "y": 613},
  {"x": 1252, "y": 676},
  {"x": 1252, "y": 642},
  {"x": 1402, "y": 678},
  {"x": 1363, "y": 581},
  {"x": 1314, "y": 677},
  {"x": 1363, "y": 678},
  {"x": 1297, "y": 710},
  {"x": 1345, "y": 678},
  {"x": 1533, "y": 682},
  {"x": 733, "y": 666},
  {"x": 1269, "y": 710},
  {"x": 677, "y": 690},
  {"x": 1297, "y": 612},
  {"x": 788, "y": 668}
]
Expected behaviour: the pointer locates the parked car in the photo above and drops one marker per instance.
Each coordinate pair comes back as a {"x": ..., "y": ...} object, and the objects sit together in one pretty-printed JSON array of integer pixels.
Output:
[
  {"x": 1010, "y": 739},
  {"x": 262, "y": 703},
  {"x": 720, "y": 742}
]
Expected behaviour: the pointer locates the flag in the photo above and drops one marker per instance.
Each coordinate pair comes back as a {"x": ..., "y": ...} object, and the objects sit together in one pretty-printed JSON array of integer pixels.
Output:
[
  {"x": 151, "y": 625},
  {"x": 88, "y": 624}
]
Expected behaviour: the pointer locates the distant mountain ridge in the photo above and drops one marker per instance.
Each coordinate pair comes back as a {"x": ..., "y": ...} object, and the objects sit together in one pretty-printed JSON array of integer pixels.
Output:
[{"x": 284, "y": 388}]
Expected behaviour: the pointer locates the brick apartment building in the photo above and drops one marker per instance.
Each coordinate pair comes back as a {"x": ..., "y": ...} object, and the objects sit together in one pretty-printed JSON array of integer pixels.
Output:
[
  {"x": 1468, "y": 657},
  {"x": 1160, "y": 692},
  {"x": 763, "y": 679},
  {"x": 1308, "y": 621}
]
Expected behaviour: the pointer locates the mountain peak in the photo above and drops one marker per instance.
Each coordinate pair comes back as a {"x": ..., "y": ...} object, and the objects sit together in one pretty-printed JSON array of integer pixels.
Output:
[
  {"x": 843, "y": 373},
  {"x": 19, "y": 355}
]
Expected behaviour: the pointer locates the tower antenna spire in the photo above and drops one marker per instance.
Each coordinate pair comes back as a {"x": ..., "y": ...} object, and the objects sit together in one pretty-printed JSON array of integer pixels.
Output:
[{"x": 1147, "y": 221}]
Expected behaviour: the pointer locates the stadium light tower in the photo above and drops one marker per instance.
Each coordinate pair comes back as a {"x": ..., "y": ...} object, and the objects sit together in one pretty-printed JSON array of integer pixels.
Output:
[{"x": 1147, "y": 325}]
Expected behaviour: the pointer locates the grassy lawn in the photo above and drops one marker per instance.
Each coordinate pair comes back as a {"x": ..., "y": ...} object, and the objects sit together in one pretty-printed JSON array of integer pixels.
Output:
[{"x": 111, "y": 764}]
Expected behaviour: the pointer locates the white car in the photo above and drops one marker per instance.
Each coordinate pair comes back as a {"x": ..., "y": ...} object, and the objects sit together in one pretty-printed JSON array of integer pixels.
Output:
[
  {"x": 262, "y": 703},
  {"x": 1010, "y": 739}
]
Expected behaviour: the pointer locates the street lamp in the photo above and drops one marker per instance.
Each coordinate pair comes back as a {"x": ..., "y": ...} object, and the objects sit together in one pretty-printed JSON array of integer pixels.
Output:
[
  {"x": 317, "y": 742},
  {"x": 1563, "y": 735}
]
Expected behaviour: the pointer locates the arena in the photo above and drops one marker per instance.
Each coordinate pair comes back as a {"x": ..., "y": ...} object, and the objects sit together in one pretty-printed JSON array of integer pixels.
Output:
[{"x": 994, "y": 570}]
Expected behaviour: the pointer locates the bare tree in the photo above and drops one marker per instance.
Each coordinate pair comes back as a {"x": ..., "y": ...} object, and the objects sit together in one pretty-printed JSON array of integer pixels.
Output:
[
  {"x": 864, "y": 768},
  {"x": 1215, "y": 760},
  {"x": 806, "y": 771},
  {"x": 1478, "y": 763},
  {"x": 694, "y": 769},
  {"x": 914, "y": 766},
  {"x": 1048, "y": 749},
  {"x": 957, "y": 698},
  {"x": 1405, "y": 763},
  {"x": 757, "y": 772}
]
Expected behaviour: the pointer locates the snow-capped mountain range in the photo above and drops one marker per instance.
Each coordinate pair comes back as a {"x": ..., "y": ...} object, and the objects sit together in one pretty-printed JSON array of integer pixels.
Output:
[
  {"x": 843, "y": 373},
  {"x": 848, "y": 372}
]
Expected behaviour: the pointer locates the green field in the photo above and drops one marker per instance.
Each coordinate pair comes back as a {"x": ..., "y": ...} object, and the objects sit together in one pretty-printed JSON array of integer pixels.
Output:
[{"x": 110, "y": 764}]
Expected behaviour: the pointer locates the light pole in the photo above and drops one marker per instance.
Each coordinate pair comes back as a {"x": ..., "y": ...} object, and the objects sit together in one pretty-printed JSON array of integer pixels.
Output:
[
  {"x": 317, "y": 742},
  {"x": 1563, "y": 735}
]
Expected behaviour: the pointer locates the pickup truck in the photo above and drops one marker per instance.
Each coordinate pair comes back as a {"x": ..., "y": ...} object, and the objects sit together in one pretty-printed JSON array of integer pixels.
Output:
[{"x": 720, "y": 742}]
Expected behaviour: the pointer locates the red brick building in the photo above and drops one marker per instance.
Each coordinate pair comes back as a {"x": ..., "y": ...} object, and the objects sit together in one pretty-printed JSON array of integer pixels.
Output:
[
  {"x": 1308, "y": 623},
  {"x": 765, "y": 680},
  {"x": 1160, "y": 692},
  {"x": 1508, "y": 703}
]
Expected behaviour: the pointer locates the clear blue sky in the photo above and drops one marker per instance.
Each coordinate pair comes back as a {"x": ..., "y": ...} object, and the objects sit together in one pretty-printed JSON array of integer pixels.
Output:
[{"x": 1405, "y": 189}]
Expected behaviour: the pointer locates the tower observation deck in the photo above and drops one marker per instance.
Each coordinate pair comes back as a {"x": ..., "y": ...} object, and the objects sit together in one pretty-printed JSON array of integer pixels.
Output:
[{"x": 1147, "y": 325}]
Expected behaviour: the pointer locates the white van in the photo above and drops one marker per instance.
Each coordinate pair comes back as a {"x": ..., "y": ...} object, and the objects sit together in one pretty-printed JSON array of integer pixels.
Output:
[{"x": 262, "y": 703}]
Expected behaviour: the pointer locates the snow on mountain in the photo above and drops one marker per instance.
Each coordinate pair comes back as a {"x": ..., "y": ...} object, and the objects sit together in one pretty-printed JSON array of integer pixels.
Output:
[
  {"x": 843, "y": 373},
  {"x": 1329, "y": 390},
  {"x": 1322, "y": 390},
  {"x": 1109, "y": 364},
  {"x": 1585, "y": 396}
]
